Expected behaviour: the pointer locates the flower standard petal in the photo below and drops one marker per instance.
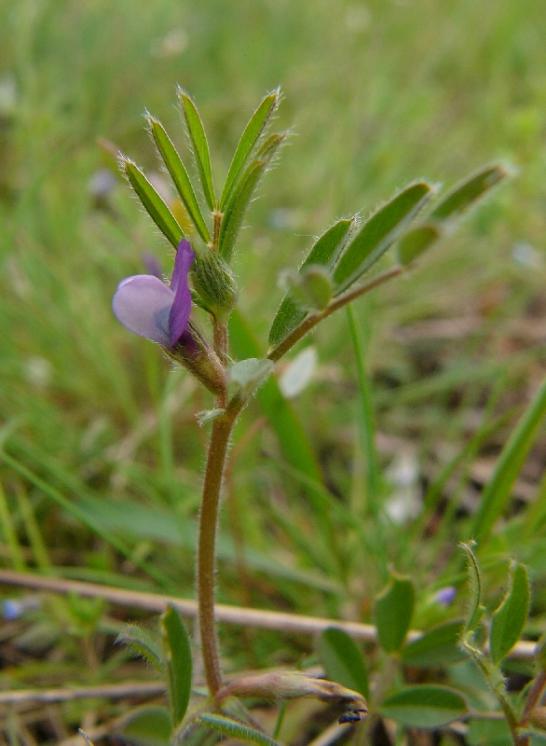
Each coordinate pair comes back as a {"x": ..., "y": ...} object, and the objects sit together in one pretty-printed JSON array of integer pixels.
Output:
[
  {"x": 181, "y": 308},
  {"x": 142, "y": 303},
  {"x": 182, "y": 264}
]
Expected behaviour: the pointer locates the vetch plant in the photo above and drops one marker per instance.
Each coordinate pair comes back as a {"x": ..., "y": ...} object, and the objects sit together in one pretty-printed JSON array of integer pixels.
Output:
[{"x": 340, "y": 267}]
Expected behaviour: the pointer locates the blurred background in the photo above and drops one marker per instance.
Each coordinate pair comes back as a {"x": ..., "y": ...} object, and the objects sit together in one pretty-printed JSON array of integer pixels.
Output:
[{"x": 102, "y": 454}]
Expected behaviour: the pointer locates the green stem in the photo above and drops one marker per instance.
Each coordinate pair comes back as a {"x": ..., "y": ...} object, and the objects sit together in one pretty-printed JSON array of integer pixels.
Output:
[
  {"x": 488, "y": 673},
  {"x": 366, "y": 417}
]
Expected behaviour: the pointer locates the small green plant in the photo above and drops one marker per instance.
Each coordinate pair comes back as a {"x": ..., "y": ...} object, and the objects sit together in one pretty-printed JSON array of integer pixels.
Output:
[{"x": 349, "y": 260}]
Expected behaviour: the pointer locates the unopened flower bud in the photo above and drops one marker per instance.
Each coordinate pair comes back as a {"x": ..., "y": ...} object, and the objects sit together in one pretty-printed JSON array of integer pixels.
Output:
[
  {"x": 214, "y": 281},
  {"x": 281, "y": 685}
]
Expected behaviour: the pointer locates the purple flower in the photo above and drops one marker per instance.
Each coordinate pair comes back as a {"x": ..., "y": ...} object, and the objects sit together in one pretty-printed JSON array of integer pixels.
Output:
[
  {"x": 14, "y": 608},
  {"x": 11, "y": 609},
  {"x": 445, "y": 596},
  {"x": 147, "y": 306}
]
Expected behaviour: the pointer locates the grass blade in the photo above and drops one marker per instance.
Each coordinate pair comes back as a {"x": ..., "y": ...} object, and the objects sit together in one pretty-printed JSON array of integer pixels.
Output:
[
  {"x": 179, "y": 175},
  {"x": 379, "y": 232},
  {"x": 497, "y": 492},
  {"x": 33, "y": 531},
  {"x": 200, "y": 146},
  {"x": 8, "y": 532},
  {"x": 324, "y": 252},
  {"x": 366, "y": 420},
  {"x": 152, "y": 202},
  {"x": 282, "y": 417},
  {"x": 81, "y": 514},
  {"x": 249, "y": 139},
  {"x": 465, "y": 194}
]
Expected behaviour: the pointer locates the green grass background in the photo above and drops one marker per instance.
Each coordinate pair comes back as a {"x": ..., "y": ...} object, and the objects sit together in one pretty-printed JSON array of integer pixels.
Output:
[{"x": 103, "y": 456}]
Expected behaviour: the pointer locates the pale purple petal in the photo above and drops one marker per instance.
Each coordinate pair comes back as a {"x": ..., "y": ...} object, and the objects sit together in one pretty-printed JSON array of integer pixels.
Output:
[
  {"x": 445, "y": 596},
  {"x": 182, "y": 264},
  {"x": 12, "y": 609},
  {"x": 143, "y": 304},
  {"x": 181, "y": 307}
]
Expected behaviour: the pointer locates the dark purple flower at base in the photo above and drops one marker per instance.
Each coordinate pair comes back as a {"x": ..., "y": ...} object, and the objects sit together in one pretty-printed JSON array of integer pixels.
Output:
[{"x": 145, "y": 305}]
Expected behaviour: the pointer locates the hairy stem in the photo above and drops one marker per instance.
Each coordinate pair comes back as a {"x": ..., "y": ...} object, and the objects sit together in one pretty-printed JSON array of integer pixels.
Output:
[
  {"x": 206, "y": 550},
  {"x": 488, "y": 672},
  {"x": 220, "y": 332},
  {"x": 314, "y": 318},
  {"x": 206, "y": 553},
  {"x": 533, "y": 700}
]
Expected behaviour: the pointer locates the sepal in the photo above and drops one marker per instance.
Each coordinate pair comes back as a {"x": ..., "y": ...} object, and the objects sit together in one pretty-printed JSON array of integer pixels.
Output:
[
  {"x": 215, "y": 282},
  {"x": 193, "y": 352}
]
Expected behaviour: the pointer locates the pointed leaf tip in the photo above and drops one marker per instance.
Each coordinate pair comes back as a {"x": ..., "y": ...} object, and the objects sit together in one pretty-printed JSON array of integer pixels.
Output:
[
  {"x": 178, "y": 173},
  {"x": 470, "y": 190},
  {"x": 153, "y": 203},
  {"x": 379, "y": 232},
  {"x": 200, "y": 145},
  {"x": 250, "y": 137}
]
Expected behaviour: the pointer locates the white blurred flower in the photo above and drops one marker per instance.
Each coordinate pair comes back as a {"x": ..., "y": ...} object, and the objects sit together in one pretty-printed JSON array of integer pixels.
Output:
[
  {"x": 403, "y": 474},
  {"x": 298, "y": 373},
  {"x": 38, "y": 372}
]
